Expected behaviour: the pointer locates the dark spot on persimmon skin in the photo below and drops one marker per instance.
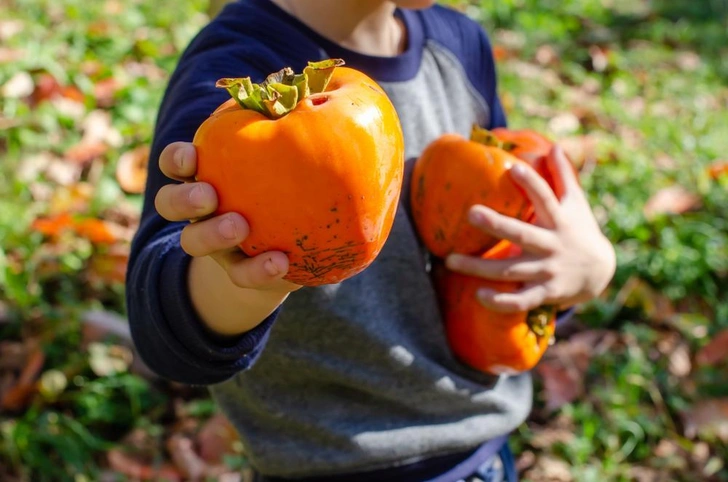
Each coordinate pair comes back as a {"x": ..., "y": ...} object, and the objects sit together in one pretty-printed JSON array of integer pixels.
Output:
[{"x": 334, "y": 209}]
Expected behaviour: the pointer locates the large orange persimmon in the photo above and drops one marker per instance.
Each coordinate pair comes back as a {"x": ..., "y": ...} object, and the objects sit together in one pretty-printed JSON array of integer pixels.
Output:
[
  {"x": 453, "y": 174},
  {"x": 313, "y": 161},
  {"x": 490, "y": 341}
]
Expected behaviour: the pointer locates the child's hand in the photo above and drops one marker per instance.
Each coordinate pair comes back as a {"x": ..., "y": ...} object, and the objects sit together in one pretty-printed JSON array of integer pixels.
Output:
[
  {"x": 566, "y": 259},
  {"x": 217, "y": 237}
]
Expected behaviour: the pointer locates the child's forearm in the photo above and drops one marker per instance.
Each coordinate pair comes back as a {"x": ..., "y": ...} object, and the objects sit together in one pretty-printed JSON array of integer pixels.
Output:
[{"x": 223, "y": 307}]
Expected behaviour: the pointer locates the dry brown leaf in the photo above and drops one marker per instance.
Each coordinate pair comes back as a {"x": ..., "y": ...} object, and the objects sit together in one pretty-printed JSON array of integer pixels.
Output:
[
  {"x": 546, "y": 437},
  {"x": 86, "y": 151},
  {"x": 562, "y": 370},
  {"x": 13, "y": 355},
  {"x": 182, "y": 451},
  {"x": 131, "y": 170},
  {"x": 671, "y": 200},
  {"x": 132, "y": 466},
  {"x": 17, "y": 397},
  {"x": 8, "y": 55},
  {"x": 216, "y": 438},
  {"x": 581, "y": 150},
  {"x": 549, "y": 469},
  {"x": 104, "y": 92},
  {"x": 599, "y": 58},
  {"x": 707, "y": 418},
  {"x": 715, "y": 352},
  {"x": 109, "y": 267}
]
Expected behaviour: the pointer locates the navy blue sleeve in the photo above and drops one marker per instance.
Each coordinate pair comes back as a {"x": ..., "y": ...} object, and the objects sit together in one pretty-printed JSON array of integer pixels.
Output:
[{"x": 167, "y": 332}]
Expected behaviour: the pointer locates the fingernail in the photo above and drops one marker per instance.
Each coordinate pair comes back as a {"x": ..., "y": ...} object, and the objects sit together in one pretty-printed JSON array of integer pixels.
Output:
[
  {"x": 271, "y": 268},
  {"x": 483, "y": 293},
  {"x": 454, "y": 261},
  {"x": 179, "y": 159},
  {"x": 519, "y": 170},
  {"x": 197, "y": 197},
  {"x": 227, "y": 229},
  {"x": 476, "y": 217}
]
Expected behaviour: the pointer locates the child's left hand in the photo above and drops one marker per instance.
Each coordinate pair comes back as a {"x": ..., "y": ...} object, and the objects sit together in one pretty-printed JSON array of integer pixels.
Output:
[{"x": 566, "y": 259}]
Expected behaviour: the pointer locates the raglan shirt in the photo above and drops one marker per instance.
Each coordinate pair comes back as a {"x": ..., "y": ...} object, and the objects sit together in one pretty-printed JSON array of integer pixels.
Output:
[{"x": 341, "y": 378}]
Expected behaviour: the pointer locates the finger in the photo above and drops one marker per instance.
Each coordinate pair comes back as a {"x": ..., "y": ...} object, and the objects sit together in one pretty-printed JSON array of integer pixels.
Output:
[
  {"x": 517, "y": 269},
  {"x": 262, "y": 272},
  {"x": 562, "y": 171},
  {"x": 178, "y": 202},
  {"x": 526, "y": 299},
  {"x": 215, "y": 234},
  {"x": 545, "y": 203},
  {"x": 179, "y": 161},
  {"x": 530, "y": 237}
]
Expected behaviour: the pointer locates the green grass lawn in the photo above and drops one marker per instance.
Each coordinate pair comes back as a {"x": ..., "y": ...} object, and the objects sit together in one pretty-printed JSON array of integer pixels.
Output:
[{"x": 637, "y": 92}]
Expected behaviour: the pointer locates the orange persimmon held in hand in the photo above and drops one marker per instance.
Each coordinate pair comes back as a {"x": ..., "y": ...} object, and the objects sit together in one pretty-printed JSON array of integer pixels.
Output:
[
  {"x": 313, "y": 161},
  {"x": 490, "y": 341},
  {"x": 452, "y": 175}
]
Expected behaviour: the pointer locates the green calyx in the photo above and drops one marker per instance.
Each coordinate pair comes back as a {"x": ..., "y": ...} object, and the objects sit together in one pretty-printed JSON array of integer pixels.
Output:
[
  {"x": 487, "y": 138},
  {"x": 539, "y": 319},
  {"x": 281, "y": 91}
]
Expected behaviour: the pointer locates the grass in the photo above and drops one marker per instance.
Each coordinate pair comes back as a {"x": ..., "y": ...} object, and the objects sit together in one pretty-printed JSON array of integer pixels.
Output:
[{"x": 636, "y": 90}]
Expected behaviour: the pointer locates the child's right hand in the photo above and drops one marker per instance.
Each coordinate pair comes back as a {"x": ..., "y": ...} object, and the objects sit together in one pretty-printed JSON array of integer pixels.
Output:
[{"x": 219, "y": 236}]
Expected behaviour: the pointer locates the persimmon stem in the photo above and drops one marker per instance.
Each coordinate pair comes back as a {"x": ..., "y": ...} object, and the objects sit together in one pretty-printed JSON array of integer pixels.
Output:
[
  {"x": 281, "y": 91},
  {"x": 539, "y": 318},
  {"x": 487, "y": 138}
]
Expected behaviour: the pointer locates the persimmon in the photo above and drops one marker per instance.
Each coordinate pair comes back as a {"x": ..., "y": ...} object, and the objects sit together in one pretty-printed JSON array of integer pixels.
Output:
[
  {"x": 532, "y": 147},
  {"x": 487, "y": 340},
  {"x": 313, "y": 161},
  {"x": 453, "y": 174}
]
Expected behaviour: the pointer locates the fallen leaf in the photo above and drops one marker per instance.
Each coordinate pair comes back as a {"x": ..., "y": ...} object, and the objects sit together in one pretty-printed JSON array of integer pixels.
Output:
[
  {"x": 182, "y": 451},
  {"x": 13, "y": 355},
  {"x": 599, "y": 58},
  {"x": 707, "y": 418},
  {"x": 131, "y": 466},
  {"x": 216, "y": 438},
  {"x": 671, "y": 200},
  {"x": 106, "y": 360},
  {"x": 18, "y": 86},
  {"x": 105, "y": 91},
  {"x": 544, "y": 438},
  {"x": 86, "y": 151},
  {"x": 718, "y": 169},
  {"x": 688, "y": 61},
  {"x": 546, "y": 55},
  {"x": 10, "y": 28},
  {"x": 95, "y": 230},
  {"x": 581, "y": 150},
  {"x": 549, "y": 469},
  {"x": 8, "y": 55},
  {"x": 131, "y": 170},
  {"x": 17, "y": 397},
  {"x": 500, "y": 53},
  {"x": 109, "y": 267},
  {"x": 715, "y": 352},
  {"x": 564, "y": 124}
]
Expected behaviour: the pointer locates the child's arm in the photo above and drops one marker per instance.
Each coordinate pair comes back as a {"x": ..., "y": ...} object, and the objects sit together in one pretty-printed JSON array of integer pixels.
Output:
[
  {"x": 183, "y": 310},
  {"x": 566, "y": 259}
]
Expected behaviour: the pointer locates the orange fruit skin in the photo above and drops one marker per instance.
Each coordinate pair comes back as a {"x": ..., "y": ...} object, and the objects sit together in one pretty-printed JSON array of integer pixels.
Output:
[{"x": 320, "y": 184}]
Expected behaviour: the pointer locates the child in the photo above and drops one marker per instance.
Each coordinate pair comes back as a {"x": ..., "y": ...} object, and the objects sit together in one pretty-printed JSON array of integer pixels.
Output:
[{"x": 352, "y": 381}]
